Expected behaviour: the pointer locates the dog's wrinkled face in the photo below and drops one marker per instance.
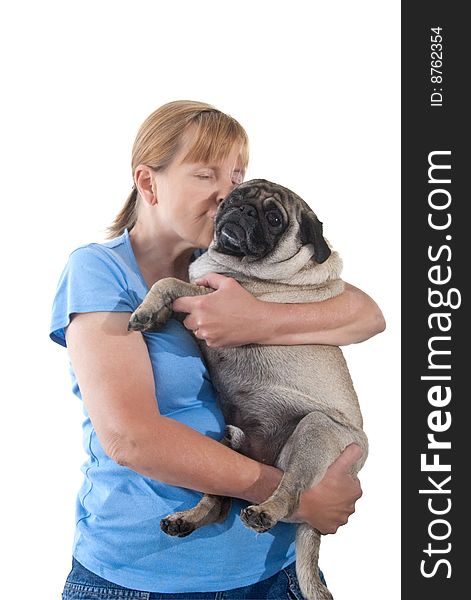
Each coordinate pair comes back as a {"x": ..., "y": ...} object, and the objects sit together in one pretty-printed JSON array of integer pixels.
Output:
[{"x": 252, "y": 219}]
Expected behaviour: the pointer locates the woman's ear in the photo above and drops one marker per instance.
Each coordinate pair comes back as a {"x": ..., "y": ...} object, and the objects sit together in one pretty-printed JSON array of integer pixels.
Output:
[{"x": 145, "y": 183}]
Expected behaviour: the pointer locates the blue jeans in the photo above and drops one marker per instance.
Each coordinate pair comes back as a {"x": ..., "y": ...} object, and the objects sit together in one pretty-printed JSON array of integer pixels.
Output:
[{"x": 82, "y": 584}]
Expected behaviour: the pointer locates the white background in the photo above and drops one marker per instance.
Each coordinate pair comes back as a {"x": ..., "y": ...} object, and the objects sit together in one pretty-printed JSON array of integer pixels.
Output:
[{"x": 316, "y": 85}]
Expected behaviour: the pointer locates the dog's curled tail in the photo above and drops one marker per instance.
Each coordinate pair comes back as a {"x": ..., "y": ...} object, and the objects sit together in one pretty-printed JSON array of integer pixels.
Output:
[{"x": 308, "y": 541}]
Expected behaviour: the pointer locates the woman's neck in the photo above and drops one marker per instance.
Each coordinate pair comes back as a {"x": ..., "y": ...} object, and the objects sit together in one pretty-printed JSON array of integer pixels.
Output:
[{"x": 159, "y": 256}]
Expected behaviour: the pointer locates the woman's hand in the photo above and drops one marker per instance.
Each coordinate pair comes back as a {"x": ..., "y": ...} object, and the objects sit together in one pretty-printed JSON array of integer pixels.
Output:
[
  {"x": 229, "y": 316},
  {"x": 329, "y": 504}
]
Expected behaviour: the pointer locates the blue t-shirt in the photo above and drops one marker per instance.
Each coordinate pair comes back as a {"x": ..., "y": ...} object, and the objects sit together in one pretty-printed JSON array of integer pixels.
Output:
[{"x": 118, "y": 511}]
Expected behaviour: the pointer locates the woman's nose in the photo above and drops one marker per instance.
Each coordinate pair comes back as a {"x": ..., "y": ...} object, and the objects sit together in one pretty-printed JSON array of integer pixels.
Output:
[
  {"x": 225, "y": 189},
  {"x": 223, "y": 195}
]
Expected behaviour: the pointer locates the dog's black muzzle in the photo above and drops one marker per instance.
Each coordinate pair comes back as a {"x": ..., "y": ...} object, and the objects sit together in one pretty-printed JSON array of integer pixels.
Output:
[{"x": 238, "y": 231}]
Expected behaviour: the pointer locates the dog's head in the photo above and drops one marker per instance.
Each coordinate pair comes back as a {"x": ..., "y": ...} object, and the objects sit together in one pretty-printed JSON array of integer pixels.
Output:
[{"x": 260, "y": 218}]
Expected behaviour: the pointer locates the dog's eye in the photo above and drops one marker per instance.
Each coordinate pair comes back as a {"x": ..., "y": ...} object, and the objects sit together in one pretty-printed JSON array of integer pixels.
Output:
[{"x": 274, "y": 218}]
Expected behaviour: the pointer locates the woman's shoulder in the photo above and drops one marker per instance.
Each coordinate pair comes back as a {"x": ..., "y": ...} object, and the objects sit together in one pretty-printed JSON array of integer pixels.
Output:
[
  {"x": 96, "y": 277},
  {"x": 113, "y": 256},
  {"x": 110, "y": 249}
]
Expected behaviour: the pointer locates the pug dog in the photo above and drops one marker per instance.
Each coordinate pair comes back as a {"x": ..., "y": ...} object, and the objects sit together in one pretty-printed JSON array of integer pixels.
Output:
[{"x": 293, "y": 407}]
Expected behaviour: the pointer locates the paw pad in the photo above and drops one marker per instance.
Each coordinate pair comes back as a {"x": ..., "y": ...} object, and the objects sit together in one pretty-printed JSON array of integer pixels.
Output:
[{"x": 176, "y": 527}]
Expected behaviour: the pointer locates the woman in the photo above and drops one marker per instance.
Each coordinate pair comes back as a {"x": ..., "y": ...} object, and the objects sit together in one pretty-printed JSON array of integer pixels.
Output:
[{"x": 152, "y": 421}]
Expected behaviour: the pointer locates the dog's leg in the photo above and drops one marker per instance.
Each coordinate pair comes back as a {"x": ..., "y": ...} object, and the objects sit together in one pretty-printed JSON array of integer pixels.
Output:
[
  {"x": 211, "y": 508},
  {"x": 313, "y": 446},
  {"x": 156, "y": 308}
]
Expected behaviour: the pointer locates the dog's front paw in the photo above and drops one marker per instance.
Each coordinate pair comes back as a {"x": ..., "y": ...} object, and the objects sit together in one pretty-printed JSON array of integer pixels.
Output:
[
  {"x": 257, "y": 518},
  {"x": 149, "y": 318},
  {"x": 176, "y": 525}
]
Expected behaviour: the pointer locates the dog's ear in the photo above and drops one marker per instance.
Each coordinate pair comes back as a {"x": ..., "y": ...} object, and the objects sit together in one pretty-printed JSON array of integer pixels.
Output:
[{"x": 311, "y": 233}]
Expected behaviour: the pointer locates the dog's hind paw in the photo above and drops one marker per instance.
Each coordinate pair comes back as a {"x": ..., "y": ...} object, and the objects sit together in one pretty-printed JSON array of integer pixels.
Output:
[
  {"x": 176, "y": 526},
  {"x": 256, "y": 518}
]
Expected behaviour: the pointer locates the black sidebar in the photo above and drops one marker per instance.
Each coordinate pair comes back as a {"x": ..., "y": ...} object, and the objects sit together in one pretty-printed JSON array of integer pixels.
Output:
[{"x": 436, "y": 256}]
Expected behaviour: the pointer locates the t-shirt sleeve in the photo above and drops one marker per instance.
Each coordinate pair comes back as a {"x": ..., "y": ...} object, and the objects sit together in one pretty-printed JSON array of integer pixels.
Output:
[{"x": 92, "y": 281}]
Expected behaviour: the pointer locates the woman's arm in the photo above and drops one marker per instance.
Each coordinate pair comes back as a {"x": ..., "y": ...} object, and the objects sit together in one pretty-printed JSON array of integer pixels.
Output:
[
  {"x": 115, "y": 377},
  {"x": 116, "y": 380},
  {"x": 231, "y": 316}
]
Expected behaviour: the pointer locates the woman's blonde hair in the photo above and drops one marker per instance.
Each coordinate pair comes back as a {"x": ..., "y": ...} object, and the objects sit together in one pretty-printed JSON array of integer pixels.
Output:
[{"x": 159, "y": 137}]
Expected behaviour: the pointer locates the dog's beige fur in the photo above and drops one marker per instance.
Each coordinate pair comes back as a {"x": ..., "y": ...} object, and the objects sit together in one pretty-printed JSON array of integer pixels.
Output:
[{"x": 301, "y": 397}]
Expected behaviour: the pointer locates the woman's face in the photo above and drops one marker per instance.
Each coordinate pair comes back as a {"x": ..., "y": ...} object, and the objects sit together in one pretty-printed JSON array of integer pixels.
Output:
[{"x": 188, "y": 195}]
